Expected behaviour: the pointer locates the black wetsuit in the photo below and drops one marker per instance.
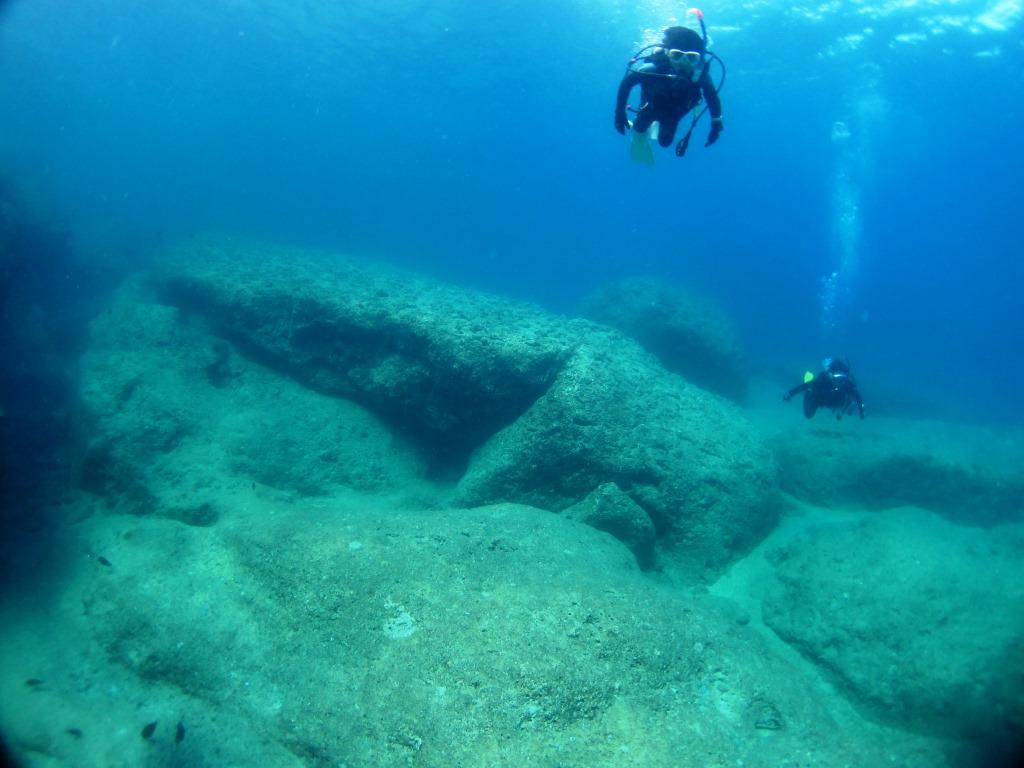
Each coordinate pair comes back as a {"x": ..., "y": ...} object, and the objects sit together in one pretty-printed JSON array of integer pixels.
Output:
[
  {"x": 667, "y": 96},
  {"x": 837, "y": 391}
]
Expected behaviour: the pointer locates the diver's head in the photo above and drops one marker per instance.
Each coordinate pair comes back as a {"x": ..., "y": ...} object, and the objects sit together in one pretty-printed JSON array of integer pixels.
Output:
[
  {"x": 684, "y": 48},
  {"x": 836, "y": 364},
  {"x": 683, "y": 39}
]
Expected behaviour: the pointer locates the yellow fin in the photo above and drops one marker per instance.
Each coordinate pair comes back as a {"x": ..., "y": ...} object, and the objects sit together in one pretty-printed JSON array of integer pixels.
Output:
[{"x": 640, "y": 148}]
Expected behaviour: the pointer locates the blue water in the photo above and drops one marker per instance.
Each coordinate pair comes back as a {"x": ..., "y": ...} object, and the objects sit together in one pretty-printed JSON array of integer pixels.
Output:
[{"x": 865, "y": 197}]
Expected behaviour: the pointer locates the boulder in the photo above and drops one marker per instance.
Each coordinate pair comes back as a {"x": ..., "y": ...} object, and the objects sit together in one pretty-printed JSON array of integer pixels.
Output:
[
  {"x": 442, "y": 364},
  {"x": 688, "y": 333},
  {"x": 303, "y": 635},
  {"x": 919, "y": 621},
  {"x": 512, "y": 403},
  {"x": 968, "y": 474},
  {"x": 608, "y": 509},
  {"x": 613, "y": 414},
  {"x": 177, "y": 422}
]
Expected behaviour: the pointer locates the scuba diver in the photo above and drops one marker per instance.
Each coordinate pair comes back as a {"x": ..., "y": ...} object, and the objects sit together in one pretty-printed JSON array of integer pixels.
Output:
[
  {"x": 672, "y": 78},
  {"x": 833, "y": 388}
]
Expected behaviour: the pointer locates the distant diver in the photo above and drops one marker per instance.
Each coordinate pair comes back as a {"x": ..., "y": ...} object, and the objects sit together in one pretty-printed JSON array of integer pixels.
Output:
[
  {"x": 673, "y": 77},
  {"x": 833, "y": 388}
]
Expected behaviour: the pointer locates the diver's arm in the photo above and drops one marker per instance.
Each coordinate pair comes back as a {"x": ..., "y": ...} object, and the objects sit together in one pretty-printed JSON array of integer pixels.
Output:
[
  {"x": 621, "y": 121},
  {"x": 714, "y": 107},
  {"x": 795, "y": 390},
  {"x": 855, "y": 394},
  {"x": 714, "y": 103},
  {"x": 630, "y": 80}
]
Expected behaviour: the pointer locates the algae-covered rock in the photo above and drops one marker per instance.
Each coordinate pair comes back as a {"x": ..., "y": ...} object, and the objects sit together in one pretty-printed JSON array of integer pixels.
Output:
[
  {"x": 303, "y": 636},
  {"x": 609, "y": 509},
  {"x": 514, "y": 403},
  {"x": 919, "y": 620},
  {"x": 176, "y": 419},
  {"x": 445, "y": 365},
  {"x": 614, "y": 415},
  {"x": 968, "y": 474},
  {"x": 688, "y": 333}
]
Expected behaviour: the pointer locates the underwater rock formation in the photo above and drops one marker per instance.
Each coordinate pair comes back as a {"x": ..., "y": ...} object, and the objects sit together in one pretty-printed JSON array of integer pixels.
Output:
[
  {"x": 307, "y": 551},
  {"x": 919, "y": 620},
  {"x": 608, "y": 509},
  {"x": 445, "y": 365},
  {"x": 686, "y": 332},
  {"x": 614, "y": 414},
  {"x": 968, "y": 474},
  {"x": 297, "y": 635},
  {"x": 513, "y": 403},
  {"x": 180, "y": 426}
]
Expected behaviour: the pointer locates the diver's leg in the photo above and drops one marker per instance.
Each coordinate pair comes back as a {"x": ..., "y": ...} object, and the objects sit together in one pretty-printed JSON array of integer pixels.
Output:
[
  {"x": 810, "y": 404},
  {"x": 667, "y": 131},
  {"x": 643, "y": 120}
]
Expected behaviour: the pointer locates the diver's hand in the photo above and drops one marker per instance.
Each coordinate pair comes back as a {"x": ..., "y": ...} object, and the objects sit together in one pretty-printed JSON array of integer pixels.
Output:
[
  {"x": 620, "y": 121},
  {"x": 716, "y": 128},
  {"x": 786, "y": 397}
]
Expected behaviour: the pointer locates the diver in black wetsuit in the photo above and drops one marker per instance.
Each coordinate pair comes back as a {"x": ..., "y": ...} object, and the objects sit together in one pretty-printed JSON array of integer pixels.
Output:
[
  {"x": 833, "y": 388},
  {"x": 672, "y": 81}
]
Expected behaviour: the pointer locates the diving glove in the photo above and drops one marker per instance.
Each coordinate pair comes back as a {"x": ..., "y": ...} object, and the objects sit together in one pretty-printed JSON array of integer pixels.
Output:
[
  {"x": 621, "y": 122},
  {"x": 716, "y": 128}
]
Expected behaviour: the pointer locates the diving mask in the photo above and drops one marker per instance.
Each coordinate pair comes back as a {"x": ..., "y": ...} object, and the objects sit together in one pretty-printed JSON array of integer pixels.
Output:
[{"x": 692, "y": 59}]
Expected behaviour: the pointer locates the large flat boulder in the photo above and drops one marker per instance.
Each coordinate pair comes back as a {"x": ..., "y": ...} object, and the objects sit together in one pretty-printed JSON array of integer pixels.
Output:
[
  {"x": 510, "y": 402},
  {"x": 919, "y": 621},
  {"x": 307, "y": 635},
  {"x": 614, "y": 414},
  {"x": 177, "y": 422},
  {"x": 690, "y": 334},
  {"x": 969, "y": 474},
  {"x": 446, "y": 365}
]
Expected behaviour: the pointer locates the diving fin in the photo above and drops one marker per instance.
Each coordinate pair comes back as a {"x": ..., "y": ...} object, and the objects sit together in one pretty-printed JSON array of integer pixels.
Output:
[{"x": 640, "y": 148}]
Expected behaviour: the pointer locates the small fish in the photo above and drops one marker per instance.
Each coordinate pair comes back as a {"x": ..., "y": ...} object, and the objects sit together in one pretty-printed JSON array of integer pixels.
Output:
[
  {"x": 179, "y": 735},
  {"x": 104, "y": 561},
  {"x": 147, "y": 732},
  {"x": 76, "y": 732},
  {"x": 33, "y": 682}
]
